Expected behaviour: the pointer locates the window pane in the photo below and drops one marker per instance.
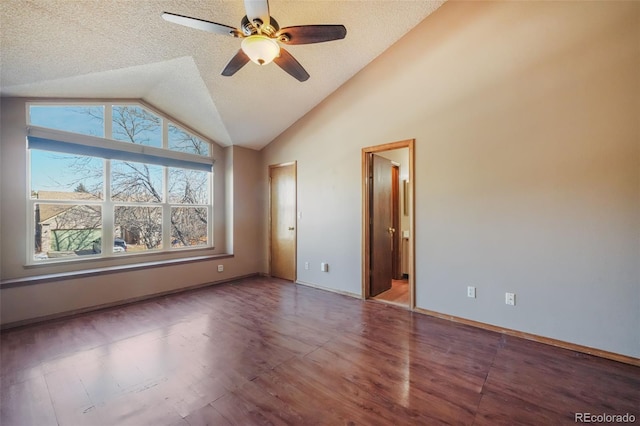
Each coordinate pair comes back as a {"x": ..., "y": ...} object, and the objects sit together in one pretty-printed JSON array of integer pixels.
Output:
[
  {"x": 136, "y": 125},
  {"x": 136, "y": 182},
  {"x": 66, "y": 230},
  {"x": 139, "y": 227},
  {"x": 65, "y": 177},
  {"x": 86, "y": 120},
  {"x": 68, "y": 178},
  {"x": 188, "y": 226},
  {"x": 188, "y": 186},
  {"x": 180, "y": 140}
]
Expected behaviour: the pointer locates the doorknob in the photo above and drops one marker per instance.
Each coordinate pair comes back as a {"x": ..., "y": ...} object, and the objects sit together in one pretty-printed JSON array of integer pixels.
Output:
[
  {"x": 291, "y": 228},
  {"x": 391, "y": 230}
]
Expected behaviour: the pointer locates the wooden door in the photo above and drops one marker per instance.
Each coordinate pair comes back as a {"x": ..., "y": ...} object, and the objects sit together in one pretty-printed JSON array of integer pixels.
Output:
[
  {"x": 382, "y": 230},
  {"x": 282, "y": 180}
]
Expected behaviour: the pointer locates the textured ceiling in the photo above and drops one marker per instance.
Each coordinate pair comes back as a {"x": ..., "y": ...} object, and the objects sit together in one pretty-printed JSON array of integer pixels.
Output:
[{"x": 124, "y": 49}]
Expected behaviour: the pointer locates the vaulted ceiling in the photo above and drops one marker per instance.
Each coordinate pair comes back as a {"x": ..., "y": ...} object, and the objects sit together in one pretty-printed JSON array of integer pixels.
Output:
[{"x": 124, "y": 49}]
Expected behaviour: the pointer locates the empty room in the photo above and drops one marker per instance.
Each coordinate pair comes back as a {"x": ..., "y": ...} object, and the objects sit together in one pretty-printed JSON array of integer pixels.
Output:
[{"x": 227, "y": 212}]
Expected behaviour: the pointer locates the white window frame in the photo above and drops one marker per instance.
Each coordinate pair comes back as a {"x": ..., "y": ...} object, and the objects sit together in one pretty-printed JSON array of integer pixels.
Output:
[{"x": 107, "y": 204}]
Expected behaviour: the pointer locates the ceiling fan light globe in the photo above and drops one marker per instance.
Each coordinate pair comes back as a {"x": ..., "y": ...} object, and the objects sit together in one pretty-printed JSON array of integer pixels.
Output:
[{"x": 260, "y": 49}]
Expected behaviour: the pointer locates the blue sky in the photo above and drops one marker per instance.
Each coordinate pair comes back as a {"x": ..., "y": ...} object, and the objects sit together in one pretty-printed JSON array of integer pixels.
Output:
[
  {"x": 56, "y": 172},
  {"x": 69, "y": 118},
  {"x": 62, "y": 172}
]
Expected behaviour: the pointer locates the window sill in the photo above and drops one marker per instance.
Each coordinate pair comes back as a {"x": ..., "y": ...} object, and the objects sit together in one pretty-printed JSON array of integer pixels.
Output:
[
  {"x": 137, "y": 256},
  {"x": 47, "y": 278}
]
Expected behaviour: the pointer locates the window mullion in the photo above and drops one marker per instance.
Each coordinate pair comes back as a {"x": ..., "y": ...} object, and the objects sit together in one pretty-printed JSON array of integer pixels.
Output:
[
  {"x": 31, "y": 219},
  {"x": 166, "y": 211},
  {"x": 31, "y": 230},
  {"x": 108, "y": 218},
  {"x": 165, "y": 134},
  {"x": 210, "y": 227},
  {"x": 108, "y": 210},
  {"x": 108, "y": 121}
]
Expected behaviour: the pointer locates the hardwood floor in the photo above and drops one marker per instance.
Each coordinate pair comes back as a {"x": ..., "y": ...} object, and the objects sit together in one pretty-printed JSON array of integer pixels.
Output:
[
  {"x": 264, "y": 351},
  {"x": 397, "y": 294}
]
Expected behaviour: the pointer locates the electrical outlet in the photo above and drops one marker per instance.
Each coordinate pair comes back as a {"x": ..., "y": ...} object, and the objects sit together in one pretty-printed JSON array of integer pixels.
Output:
[
  {"x": 220, "y": 268},
  {"x": 510, "y": 299},
  {"x": 324, "y": 267},
  {"x": 471, "y": 291},
  {"x": 306, "y": 265}
]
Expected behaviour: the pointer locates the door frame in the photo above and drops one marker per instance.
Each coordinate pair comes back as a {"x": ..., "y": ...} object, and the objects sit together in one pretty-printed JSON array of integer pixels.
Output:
[
  {"x": 295, "y": 235},
  {"x": 396, "y": 266},
  {"x": 366, "y": 216}
]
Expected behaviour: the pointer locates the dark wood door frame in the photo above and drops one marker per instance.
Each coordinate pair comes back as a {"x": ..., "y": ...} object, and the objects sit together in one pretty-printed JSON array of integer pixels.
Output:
[
  {"x": 366, "y": 216},
  {"x": 396, "y": 264}
]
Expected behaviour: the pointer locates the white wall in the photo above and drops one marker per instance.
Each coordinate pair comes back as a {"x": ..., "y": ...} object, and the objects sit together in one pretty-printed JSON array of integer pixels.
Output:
[
  {"x": 42, "y": 300},
  {"x": 526, "y": 120}
]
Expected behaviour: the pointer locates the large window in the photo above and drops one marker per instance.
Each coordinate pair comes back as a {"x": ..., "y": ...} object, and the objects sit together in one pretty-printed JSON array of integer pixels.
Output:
[{"x": 115, "y": 180}]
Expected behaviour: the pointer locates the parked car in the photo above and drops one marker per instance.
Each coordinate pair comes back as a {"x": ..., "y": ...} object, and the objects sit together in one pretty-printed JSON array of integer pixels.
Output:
[{"x": 119, "y": 245}]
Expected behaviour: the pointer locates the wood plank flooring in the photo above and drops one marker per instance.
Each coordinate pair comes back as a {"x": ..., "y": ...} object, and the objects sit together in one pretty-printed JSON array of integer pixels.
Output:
[
  {"x": 398, "y": 293},
  {"x": 267, "y": 352}
]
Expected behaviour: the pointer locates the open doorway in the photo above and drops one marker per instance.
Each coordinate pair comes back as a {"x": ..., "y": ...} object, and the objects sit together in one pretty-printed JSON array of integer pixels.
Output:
[{"x": 388, "y": 226}]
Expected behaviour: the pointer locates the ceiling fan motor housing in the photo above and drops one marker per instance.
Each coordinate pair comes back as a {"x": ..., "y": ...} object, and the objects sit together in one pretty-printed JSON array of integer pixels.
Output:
[{"x": 258, "y": 27}]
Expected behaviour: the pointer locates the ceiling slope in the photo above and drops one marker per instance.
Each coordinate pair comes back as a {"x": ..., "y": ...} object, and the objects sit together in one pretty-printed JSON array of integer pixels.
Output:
[{"x": 124, "y": 49}]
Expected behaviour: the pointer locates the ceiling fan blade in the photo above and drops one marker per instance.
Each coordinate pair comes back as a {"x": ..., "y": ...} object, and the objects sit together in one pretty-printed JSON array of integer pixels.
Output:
[
  {"x": 200, "y": 24},
  {"x": 237, "y": 62},
  {"x": 291, "y": 66},
  {"x": 257, "y": 9},
  {"x": 307, "y": 34}
]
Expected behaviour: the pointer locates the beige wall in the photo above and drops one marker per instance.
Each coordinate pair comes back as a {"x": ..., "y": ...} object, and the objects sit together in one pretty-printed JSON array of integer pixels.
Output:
[
  {"x": 28, "y": 302},
  {"x": 526, "y": 117},
  {"x": 247, "y": 201}
]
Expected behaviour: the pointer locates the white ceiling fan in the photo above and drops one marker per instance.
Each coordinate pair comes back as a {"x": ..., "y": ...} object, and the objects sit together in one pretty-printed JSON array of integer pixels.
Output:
[{"x": 262, "y": 38}]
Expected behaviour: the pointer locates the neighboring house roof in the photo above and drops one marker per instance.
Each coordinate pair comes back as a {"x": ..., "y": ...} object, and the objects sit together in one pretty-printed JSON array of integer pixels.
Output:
[{"x": 49, "y": 211}]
